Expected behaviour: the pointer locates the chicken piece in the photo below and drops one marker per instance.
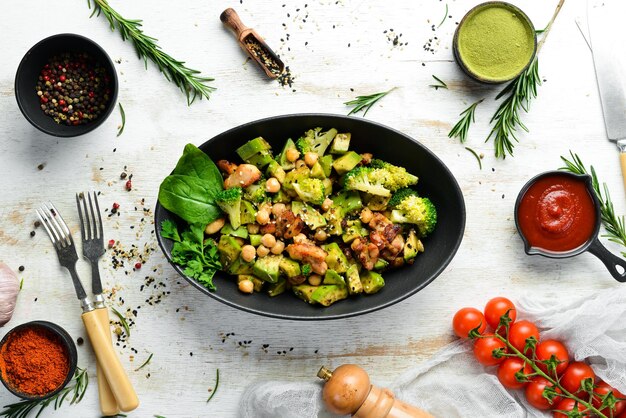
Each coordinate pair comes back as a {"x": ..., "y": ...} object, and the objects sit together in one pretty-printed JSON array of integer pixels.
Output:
[
  {"x": 393, "y": 248},
  {"x": 379, "y": 222},
  {"x": 288, "y": 225},
  {"x": 311, "y": 254},
  {"x": 366, "y": 158},
  {"x": 268, "y": 228},
  {"x": 243, "y": 176},
  {"x": 391, "y": 231},
  {"x": 378, "y": 239},
  {"x": 227, "y": 167},
  {"x": 366, "y": 252}
]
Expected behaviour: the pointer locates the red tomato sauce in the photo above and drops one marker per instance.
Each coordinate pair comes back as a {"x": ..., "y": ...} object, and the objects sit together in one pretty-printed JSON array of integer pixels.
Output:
[{"x": 557, "y": 214}]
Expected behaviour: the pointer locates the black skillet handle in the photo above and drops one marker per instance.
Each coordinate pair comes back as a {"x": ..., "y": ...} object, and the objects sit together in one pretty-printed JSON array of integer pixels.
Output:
[{"x": 613, "y": 263}]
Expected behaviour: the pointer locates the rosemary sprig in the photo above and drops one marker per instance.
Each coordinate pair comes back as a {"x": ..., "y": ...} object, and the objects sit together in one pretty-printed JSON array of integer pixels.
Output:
[
  {"x": 441, "y": 84},
  {"x": 444, "y": 17},
  {"x": 366, "y": 102},
  {"x": 614, "y": 225},
  {"x": 462, "y": 126},
  {"x": 480, "y": 163},
  {"x": 217, "y": 383},
  {"x": 122, "y": 321},
  {"x": 188, "y": 80},
  {"x": 73, "y": 393},
  {"x": 145, "y": 363},
  {"x": 123, "y": 114}
]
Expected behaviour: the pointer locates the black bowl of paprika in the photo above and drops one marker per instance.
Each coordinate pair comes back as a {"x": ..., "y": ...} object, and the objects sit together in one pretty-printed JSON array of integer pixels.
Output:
[
  {"x": 37, "y": 360},
  {"x": 66, "y": 85}
]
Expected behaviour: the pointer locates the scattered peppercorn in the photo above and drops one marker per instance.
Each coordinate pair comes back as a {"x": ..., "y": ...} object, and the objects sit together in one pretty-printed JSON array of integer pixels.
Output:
[
  {"x": 32, "y": 233},
  {"x": 137, "y": 266},
  {"x": 123, "y": 175},
  {"x": 21, "y": 268},
  {"x": 80, "y": 341},
  {"x": 111, "y": 243},
  {"x": 129, "y": 185},
  {"x": 116, "y": 205},
  {"x": 37, "y": 224},
  {"x": 40, "y": 166}
]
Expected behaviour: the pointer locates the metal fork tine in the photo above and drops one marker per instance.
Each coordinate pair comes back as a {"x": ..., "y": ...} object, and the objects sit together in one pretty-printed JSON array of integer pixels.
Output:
[
  {"x": 56, "y": 230},
  {"x": 63, "y": 225},
  {"x": 99, "y": 217},
  {"x": 88, "y": 219},
  {"x": 94, "y": 221},
  {"x": 80, "y": 215},
  {"x": 45, "y": 222}
]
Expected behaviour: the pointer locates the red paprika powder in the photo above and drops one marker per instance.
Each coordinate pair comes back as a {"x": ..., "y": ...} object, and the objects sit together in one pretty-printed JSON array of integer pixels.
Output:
[{"x": 34, "y": 361}]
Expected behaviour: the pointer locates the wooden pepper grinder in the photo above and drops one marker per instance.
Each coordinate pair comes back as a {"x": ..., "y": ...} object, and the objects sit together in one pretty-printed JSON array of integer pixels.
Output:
[{"x": 348, "y": 391}]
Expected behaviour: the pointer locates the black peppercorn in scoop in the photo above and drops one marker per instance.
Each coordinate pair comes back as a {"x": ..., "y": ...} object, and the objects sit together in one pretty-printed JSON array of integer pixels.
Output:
[{"x": 253, "y": 44}]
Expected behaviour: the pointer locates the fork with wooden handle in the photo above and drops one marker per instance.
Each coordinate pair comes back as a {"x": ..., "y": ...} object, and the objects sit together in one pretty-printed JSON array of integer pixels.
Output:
[
  {"x": 91, "y": 232},
  {"x": 63, "y": 242}
]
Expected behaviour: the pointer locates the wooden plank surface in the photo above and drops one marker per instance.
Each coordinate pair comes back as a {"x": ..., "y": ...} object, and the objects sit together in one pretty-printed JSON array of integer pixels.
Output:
[{"x": 336, "y": 50}]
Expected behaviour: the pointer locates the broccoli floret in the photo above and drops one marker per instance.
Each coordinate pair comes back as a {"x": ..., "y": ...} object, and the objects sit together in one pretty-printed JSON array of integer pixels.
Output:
[
  {"x": 395, "y": 178},
  {"x": 314, "y": 140},
  {"x": 256, "y": 192},
  {"x": 366, "y": 179},
  {"x": 347, "y": 202},
  {"x": 310, "y": 190},
  {"x": 400, "y": 195},
  {"x": 229, "y": 201},
  {"x": 412, "y": 209}
]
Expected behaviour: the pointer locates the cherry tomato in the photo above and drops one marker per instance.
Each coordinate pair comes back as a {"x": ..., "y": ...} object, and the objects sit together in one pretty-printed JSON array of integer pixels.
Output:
[
  {"x": 546, "y": 349},
  {"x": 507, "y": 370},
  {"x": 534, "y": 393},
  {"x": 600, "y": 391},
  {"x": 484, "y": 347},
  {"x": 575, "y": 373},
  {"x": 519, "y": 332},
  {"x": 567, "y": 404},
  {"x": 496, "y": 308},
  {"x": 466, "y": 320}
]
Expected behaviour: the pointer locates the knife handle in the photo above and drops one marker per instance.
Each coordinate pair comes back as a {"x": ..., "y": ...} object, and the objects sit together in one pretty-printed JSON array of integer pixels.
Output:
[
  {"x": 121, "y": 387},
  {"x": 622, "y": 159},
  {"x": 108, "y": 404}
]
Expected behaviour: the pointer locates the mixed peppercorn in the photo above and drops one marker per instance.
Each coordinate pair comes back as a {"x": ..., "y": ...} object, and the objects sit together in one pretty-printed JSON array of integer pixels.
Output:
[{"x": 73, "y": 88}]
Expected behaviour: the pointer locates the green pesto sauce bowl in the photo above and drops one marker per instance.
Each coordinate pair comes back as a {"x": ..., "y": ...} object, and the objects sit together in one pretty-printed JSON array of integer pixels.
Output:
[{"x": 494, "y": 42}]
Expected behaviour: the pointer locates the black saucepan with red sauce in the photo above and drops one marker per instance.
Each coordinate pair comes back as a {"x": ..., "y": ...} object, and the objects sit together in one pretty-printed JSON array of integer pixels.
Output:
[{"x": 557, "y": 214}]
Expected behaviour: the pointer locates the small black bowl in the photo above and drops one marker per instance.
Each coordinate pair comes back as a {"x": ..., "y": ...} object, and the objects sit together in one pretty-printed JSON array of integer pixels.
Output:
[
  {"x": 28, "y": 72},
  {"x": 67, "y": 342}
]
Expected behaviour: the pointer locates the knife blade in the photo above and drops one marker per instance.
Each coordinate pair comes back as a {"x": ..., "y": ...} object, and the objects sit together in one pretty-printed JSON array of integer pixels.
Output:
[{"x": 608, "y": 37}]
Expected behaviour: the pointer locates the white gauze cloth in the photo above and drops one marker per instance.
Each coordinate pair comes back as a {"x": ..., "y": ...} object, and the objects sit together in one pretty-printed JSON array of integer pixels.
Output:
[{"x": 453, "y": 384}]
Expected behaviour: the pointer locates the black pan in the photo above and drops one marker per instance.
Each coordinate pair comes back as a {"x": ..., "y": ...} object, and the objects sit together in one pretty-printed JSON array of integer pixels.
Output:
[{"x": 436, "y": 182}]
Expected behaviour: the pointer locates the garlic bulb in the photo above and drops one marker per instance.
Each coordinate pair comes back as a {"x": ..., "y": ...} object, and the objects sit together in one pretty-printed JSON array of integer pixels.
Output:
[{"x": 9, "y": 288}]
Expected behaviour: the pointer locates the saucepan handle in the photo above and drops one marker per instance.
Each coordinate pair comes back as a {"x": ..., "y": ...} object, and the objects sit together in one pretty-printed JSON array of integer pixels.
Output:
[{"x": 616, "y": 265}]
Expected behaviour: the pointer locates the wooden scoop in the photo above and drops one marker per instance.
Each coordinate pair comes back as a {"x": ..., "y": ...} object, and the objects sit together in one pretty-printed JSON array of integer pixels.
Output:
[
  {"x": 253, "y": 44},
  {"x": 348, "y": 391}
]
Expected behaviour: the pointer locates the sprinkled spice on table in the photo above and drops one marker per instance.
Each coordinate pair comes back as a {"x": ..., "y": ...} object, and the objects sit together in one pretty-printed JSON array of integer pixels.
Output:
[
  {"x": 73, "y": 89},
  {"x": 34, "y": 361}
]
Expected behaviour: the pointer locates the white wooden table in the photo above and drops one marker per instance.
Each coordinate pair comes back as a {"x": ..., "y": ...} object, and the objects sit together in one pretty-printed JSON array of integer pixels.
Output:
[{"x": 336, "y": 50}]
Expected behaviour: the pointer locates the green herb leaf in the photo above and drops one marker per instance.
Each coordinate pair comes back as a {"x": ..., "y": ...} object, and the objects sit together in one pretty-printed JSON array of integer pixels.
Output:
[
  {"x": 217, "y": 383},
  {"x": 461, "y": 128},
  {"x": 195, "y": 163},
  {"x": 145, "y": 363},
  {"x": 445, "y": 16},
  {"x": 480, "y": 162},
  {"x": 366, "y": 102},
  {"x": 169, "y": 230},
  {"x": 441, "y": 84},
  {"x": 190, "y": 198},
  {"x": 123, "y": 114},
  {"x": 123, "y": 321}
]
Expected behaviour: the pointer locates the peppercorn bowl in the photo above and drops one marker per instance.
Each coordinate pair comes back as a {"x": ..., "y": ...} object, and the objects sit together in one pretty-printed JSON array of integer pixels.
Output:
[
  {"x": 11, "y": 353},
  {"x": 435, "y": 181},
  {"x": 72, "y": 97}
]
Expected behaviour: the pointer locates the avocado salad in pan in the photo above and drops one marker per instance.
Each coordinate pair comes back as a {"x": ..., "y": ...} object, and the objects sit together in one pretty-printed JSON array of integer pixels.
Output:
[{"x": 316, "y": 219}]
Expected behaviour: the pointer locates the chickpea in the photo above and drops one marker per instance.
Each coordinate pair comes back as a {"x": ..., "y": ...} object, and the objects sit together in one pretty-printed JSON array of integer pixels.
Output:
[
  {"x": 320, "y": 235},
  {"x": 292, "y": 154},
  {"x": 314, "y": 280},
  {"x": 326, "y": 204},
  {"x": 300, "y": 238},
  {"x": 253, "y": 228},
  {"x": 214, "y": 226},
  {"x": 300, "y": 163},
  {"x": 268, "y": 240},
  {"x": 366, "y": 158},
  {"x": 272, "y": 185},
  {"x": 310, "y": 158},
  {"x": 262, "y": 250},
  {"x": 278, "y": 209},
  {"x": 366, "y": 215},
  {"x": 262, "y": 217},
  {"x": 248, "y": 253},
  {"x": 246, "y": 286},
  {"x": 278, "y": 248}
]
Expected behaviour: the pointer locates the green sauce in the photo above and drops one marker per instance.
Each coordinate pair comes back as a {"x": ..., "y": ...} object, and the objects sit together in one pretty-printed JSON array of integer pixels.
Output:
[{"x": 495, "y": 42}]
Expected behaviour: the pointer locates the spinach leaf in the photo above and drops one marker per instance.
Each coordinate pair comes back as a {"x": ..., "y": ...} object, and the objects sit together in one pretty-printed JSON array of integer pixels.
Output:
[
  {"x": 195, "y": 163},
  {"x": 191, "y": 198}
]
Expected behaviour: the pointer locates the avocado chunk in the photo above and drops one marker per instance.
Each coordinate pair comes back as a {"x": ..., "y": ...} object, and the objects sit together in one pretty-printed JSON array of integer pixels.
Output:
[
  {"x": 239, "y": 267},
  {"x": 258, "y": 283},
  {"x": 332, "y": 277},
  {"x": 274, "y": 169},
  {"x": 372, "y": 282},
  {"x": 229, "y": 250},
  {"x": 311, "y": 217},
  {"x": 333, "y": 218},
  {"x": 254, "y": 146},
  {"x": 353, "y": 230},
  {"x": 354, "y": 282},
  {"x": 328, "y": 187},
  {"x": 282, "y": 158},
  {"x": 317, "y": 172},
  {"x": 340, "y": 144},
  {"x": 347, "y": 202},
  {"x": 304, "y": 292},
  {"x": 346, "y": 162},
  {"x": 327, "y": 164},
  {"x": 412, "y": 246},
  {"x": 275, "y": 289},
  {"x": 248, "y": 213},
  {"x": 241, "y": 232},
  {"x": 376, "y": 203},
  {"x": 335, "y": 259},
  {"x": 326, "y": 295},
  {"x": 281, "y": 197},
  {"x": 381, "y": 264},
  {"x": 255, "y": 239},
  {"x": 260, "y": 160},
  {"x": 267, "y": 268},
  {"x": 289, "y": 267}
]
